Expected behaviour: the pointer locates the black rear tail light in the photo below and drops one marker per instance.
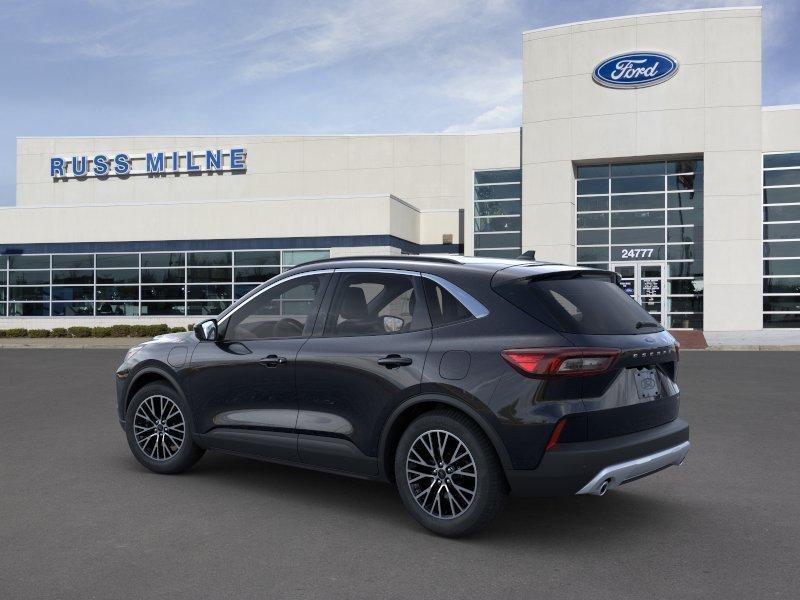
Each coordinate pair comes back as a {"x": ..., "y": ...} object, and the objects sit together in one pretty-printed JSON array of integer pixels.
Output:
[{"x": 561, "y": 362}]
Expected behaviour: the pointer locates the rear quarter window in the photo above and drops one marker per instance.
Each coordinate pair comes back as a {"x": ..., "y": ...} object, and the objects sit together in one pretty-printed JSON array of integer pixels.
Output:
[{"x": 579, "y": 302}]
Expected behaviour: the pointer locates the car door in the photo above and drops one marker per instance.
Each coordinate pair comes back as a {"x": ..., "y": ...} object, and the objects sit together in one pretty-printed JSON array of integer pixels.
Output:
[
  {"x": 368, "y": 357},
  {"x": 242, "y": 387}
]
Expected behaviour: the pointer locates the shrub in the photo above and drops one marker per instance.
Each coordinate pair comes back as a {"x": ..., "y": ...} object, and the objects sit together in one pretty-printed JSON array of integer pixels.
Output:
[
  {"x": 177, "y": 330},
  {"x": 58, "y": 332},
  {"x": 38, "y": 333},
  {"x": 120, "y": 330},
  {"x": 16, "y": 332},
  {"x": 80, "y": 332},
  {"x": 2, "y": 333},
  {"x": 101, "y": 332},
  {"x": 138, "y": 331},
  {"x": 154, "y": 330},
  {"x": 190, "y": 327}
]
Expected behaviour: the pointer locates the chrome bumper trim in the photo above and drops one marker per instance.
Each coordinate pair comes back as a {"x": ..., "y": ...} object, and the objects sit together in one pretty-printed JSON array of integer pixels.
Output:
[{"x": 616, "y": 475}]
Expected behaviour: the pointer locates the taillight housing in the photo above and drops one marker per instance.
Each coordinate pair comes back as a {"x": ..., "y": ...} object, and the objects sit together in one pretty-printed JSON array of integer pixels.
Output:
[
  {"x": 561, "y": 362},
  {"x": 677, "y": 351}
]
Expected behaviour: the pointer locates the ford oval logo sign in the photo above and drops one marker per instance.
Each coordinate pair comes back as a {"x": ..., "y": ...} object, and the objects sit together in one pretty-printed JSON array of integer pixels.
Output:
[{"x": 635, "y": 70}]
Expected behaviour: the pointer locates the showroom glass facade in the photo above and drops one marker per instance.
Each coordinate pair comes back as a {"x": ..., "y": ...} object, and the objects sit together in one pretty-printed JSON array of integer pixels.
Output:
[
  {"x": 498, "y": 213},
  {"x": 781, "y": 301},
  {"x": 129, "y": 284},
  {"x": 648, "y": 215}
]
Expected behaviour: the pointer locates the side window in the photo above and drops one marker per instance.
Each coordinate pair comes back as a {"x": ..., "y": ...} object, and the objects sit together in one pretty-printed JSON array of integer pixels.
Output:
[
  {"x": 286, "y": 310},
  {"x": 375, "y": 304},
  {"x": 443, "y": 307}
]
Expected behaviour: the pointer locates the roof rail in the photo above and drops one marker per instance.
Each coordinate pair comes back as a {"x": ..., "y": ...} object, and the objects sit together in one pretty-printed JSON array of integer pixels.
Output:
[{"x": 401, "y": 257}]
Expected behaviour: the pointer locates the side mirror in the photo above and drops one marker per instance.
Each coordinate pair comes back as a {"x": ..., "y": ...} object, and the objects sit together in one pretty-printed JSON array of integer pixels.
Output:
[
  {"x": 206, "y": 331},
  {"x": 392, "y": 324}
]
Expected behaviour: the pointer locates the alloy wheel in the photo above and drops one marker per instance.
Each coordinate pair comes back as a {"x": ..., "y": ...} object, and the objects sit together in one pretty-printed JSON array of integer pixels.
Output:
[
  {"x": 441, "y": 474},
  {"x": 159, "y": 427}
]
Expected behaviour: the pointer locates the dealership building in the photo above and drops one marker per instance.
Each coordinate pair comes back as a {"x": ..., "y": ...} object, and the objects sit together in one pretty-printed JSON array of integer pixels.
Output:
[{"x": 644, "y": 148}]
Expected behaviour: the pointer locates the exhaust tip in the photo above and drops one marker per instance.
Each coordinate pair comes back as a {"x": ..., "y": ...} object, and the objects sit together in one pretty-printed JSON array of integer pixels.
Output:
[{"x": 601, "y": 491}]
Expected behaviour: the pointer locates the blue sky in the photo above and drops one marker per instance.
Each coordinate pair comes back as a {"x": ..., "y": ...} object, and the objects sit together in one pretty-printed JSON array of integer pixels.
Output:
[{"x": 149, "y": 67}]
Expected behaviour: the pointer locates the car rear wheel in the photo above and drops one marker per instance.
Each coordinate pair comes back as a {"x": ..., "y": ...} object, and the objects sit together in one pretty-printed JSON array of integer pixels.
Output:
[
  {"x": 159, "y": 430},
  {"x": 448, "y": 474}
]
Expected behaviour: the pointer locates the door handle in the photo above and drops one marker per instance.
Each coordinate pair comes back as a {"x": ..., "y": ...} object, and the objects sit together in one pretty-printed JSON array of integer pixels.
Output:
[
  {"x": 273, "y": 360},
  {"x": 394, "y": 360}
]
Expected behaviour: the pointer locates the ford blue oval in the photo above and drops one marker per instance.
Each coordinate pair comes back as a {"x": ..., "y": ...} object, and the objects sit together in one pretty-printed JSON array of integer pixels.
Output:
[{"x": 635, "y": 70}]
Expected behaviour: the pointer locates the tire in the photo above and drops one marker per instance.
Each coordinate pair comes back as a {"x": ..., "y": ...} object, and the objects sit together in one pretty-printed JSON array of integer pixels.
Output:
[
  {"x": 449, "y": 434},
  {"x": 161, "y": 452}
]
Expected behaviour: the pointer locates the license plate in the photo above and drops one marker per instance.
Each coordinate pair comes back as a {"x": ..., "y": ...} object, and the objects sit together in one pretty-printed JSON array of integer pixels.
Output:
[{"x": 646, "y": 383}]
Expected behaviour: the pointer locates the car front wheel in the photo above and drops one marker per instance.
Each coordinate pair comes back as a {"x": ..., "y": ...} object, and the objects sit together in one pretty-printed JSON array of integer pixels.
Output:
[{"x": 448, "y": 475}]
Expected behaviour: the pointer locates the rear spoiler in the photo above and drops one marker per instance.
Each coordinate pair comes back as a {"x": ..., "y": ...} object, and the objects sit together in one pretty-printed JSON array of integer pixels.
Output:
[{"x": 549, "y": 271}]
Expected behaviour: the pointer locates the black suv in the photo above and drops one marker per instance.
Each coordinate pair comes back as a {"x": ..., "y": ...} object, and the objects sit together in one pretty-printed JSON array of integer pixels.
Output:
[{"x": 456, "y": 379}]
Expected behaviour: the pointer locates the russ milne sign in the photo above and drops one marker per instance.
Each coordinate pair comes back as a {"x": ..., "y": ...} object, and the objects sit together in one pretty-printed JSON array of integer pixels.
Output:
[
  {"x": 635, "y": 70},
  {"x": 151, "y": 163}
]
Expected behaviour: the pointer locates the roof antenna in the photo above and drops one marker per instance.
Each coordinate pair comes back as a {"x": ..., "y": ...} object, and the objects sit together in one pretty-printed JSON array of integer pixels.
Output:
[{"x": 528, "y": 255}]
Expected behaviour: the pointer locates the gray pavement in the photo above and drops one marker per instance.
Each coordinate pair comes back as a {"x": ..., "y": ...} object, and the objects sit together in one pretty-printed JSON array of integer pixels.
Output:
[{"x": 79, "y": 518}]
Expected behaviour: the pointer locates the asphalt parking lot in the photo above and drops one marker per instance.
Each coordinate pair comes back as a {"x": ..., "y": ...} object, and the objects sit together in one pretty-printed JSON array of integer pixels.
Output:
[{"x": 79, "y": 518}]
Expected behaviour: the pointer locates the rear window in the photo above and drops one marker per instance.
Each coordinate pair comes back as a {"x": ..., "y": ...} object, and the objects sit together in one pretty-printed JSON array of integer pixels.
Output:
[{"x": 588, "y": 303}]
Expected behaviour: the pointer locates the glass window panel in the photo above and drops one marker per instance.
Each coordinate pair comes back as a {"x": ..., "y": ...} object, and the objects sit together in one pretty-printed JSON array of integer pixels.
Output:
[
  {"x": 209, "y": 259},
  {"x": 73, "y": 277},
  {"x": 163, "y": 259},
  {"x": 684, "y": 166},
  {"x": 787, "y": 177},
  {"x": 782, "y": 267},
  {"x": 209, "y": 292},
  {"x": 684, "y": 200},
  {"x": 117, "y": 292},
  {"x": 493, "y": 192},
  {"x": 682, "y": 269},
  {"x": 779, "y": 249},
  {"x": 684, "y": 217},
  {"x": 585, "y": 171},
  {"x": 255, "y": 274},
  {"x": 643, "y": 252},
  {"x": 512, "y": 253},
  {"x": 592, "y": 254},
  {"x": 507, "y": 207},
  {"x": 648, "y": 168},
  {"x": 684, "y": 251},
  {"x": 163, "y": 276},
  {"x": 636, "y": 184},
  {"x": 207, "y": 308},
  {"x": 782, "y": 285},
  {"x": 680, "y": 234},
  {"x": 3, "y": 262},
  {"x": 298, "y": 257},
  {"x": 686, "y": 321},
  {"x": 2, "y": 310},
  {"x": 72, "y": 309},
  {"x": 73, "y": 261},
  {"x": 498, "y": 176},
  {"x": 29, "y": 277},
  {"x": 592, "y": 203},
  {"x": 637, "y": 219},
  {"x": 117, "y": 309},
  {"x": 499, "y": 224},
  {"x": 498, "y": 240},
  {"x": 29, "y": 293},
  {"x": 118, "y": 276},
  {"x": 592, "y": 186},
  {"x": 114, "y": 261},
  {"x": 2, "y": 277},
  {"x": 637, "y": 236},
  {"x": 593, "y": 236},
  {"x": 694, "y": 304},
  {"x": 257, "y": 258},
  {"x": 782, "y": 303},
  {"x": 587, "y": 221},
  {"x": 24, "y": 261},
  {"x": 209, "y": 275},
  {"x": 240, "y": 290},
  {"x": 603, "y": 266},
  {"x": 782, "y": 213},
  {"x": 782, "y": 231},
  {"x": 2, "y": 294},
  {"x": 73, "y": 292},
  {"x": 640, "y": 201},
  {"x": 782, "y": 195},
  {"x": 162, "y": 308},
  {"x": 163, "y": 292},
  {"x": 789, "y": 159},
  {"x": 684, "y": 182},
  {"x": 685, "y": 286},
  {"x": 774, "y": 321},
  {"x": 28, "y": 309}
]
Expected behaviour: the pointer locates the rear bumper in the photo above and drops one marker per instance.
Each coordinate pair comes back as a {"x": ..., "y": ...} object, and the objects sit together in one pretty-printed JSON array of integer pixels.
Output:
[{"x": 583, "y": 467}]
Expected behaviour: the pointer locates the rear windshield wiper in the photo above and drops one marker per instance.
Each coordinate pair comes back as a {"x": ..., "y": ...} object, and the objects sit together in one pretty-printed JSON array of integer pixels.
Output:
[{"x": 643, "y": 324}]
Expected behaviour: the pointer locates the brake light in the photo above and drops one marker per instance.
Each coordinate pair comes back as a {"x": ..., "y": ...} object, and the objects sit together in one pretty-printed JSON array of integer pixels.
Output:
[
  {"x": 555, "y": 435},
  {"x": 555, "y": 362}
]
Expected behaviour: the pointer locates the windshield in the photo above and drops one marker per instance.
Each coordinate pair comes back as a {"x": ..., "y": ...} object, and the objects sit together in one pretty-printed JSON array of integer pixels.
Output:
[{"x": 579, "y": 302}]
